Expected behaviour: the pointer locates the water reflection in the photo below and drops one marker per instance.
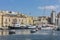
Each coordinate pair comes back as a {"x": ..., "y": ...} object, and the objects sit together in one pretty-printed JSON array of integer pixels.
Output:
[
  {"x": 4, "y": 32},
  {"x": 23, "y": 32},
  {"x": 27, "y": 32},
  {"x": 16, "y": 32}
]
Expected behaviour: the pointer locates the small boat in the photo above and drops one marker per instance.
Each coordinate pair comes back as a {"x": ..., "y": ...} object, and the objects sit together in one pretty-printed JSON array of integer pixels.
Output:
[
  {"x": 33, "y": 31},
  {"x": 31, "y": 27},
  {"x": 12, "y": 32},
  {"x": 58, "y": 29}
]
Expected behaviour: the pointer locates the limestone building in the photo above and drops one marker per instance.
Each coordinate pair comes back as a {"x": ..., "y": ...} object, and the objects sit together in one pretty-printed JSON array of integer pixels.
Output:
[{"x": 8, "y": 18}]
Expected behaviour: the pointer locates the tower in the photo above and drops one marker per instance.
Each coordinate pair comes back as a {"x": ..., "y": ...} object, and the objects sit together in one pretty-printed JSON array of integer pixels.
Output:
[{"x": 53, "y": 17}]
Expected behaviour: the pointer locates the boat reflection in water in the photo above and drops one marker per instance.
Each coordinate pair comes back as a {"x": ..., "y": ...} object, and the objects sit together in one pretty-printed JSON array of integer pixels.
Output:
[
  {"x": 22, "y": 32},
  {"x": 25, "y": 34},
  {"x": 11, "y": 31},
  {"x": 33, "y": 31},
  {"x": 17, "y": 32},
  {"x": 7, "y": 32}
]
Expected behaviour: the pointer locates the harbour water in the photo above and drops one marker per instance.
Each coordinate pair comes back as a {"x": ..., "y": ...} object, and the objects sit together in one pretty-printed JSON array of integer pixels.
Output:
[{"x": 25, "y": 34}]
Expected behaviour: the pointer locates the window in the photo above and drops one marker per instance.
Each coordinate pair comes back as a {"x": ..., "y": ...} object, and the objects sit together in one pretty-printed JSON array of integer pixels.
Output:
[
  {"x": 5, "y": 21},
  {"x": 19, "y": 19},
  {"x": 9, "y": 20},
  {"x": 39, "y": 19},
  {"x": 14, "y": 21},
  {"x": 5, "y": 25}
]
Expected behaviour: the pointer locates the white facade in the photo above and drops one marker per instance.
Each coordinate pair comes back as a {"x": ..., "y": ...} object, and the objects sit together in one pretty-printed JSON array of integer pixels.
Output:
[
  {"x": 53, "y": 17},
  {"x": 58, "y": 21}
]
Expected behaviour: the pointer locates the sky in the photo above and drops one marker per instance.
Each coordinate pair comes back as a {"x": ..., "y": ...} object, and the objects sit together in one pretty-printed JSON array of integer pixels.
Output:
[{"x": 31, "y": 7}]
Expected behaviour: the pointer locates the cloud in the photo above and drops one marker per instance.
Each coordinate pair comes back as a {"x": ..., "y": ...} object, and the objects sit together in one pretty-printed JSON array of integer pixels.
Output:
[{"x": 49, "y": 7}]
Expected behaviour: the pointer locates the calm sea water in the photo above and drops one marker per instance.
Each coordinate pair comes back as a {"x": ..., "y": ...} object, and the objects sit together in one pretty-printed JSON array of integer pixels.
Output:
[{"x": 24, "y": 34}]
